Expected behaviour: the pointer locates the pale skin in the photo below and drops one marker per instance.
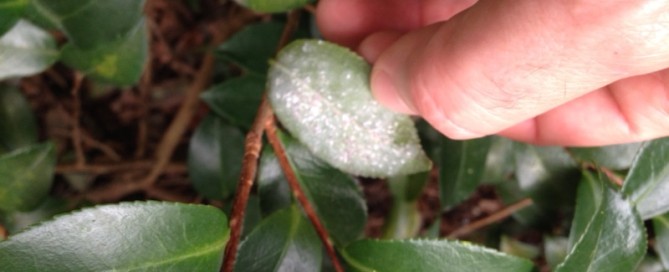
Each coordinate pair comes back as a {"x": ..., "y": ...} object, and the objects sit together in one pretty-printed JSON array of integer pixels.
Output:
[{"x": 553, "y": 72}]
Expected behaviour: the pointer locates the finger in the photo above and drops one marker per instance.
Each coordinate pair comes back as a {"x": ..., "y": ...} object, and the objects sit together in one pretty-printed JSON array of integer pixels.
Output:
[
  {"x": 504, "y": 61},
  {"x": 629, "y": 110},
  {"x": 348, "y": 22}
]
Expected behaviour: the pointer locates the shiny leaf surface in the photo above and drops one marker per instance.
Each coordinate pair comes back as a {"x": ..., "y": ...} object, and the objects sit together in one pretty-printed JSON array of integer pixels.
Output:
[
  {"x": 428, "y": 256},
  {"x": 26, "y": 50},
  {"x": 461, "y": 168},
  {"x": 215, "y": 158},
  {"x": 612, "y": 238},
  {"x": 647, "y": 183},
  {"x": 26, "y": 175},
  {"x": 320, "y": 92},
  {"x": 285, "y": 241},
  {"x": 18, "y": 127},
  {"x": 237, "y": 100},
  {"x": 149, "y": 236},
  {"x": 119, "y": 62}
]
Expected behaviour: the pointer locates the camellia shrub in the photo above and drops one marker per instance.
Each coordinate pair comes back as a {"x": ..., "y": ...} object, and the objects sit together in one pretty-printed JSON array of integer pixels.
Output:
[{"x": 288, "y": 195}]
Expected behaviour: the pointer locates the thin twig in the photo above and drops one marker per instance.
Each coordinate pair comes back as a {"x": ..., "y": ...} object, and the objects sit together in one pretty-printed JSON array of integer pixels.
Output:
[
  {"x": 90, "y": 141},
  {"x": 76, "y": 115},
  {"x": 611, "y": 175},
  {"x": 104, "y": 169},
  {"x": 497, "y": 216},
  {"x": 178, "y": 126},
  {"x": 252, "y": 148},
  {"x": 291, "y": 177},
  {"x": 310, "y": 8},
  {"x": 3, "y": 232}
]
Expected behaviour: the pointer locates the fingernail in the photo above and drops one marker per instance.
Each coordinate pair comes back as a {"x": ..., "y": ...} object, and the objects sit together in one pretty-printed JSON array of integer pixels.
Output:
[{"x": 385, "y": 91}]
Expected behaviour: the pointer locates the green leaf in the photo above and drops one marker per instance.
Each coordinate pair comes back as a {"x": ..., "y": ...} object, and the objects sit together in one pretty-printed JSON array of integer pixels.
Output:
[
  {"x": 462, "y": 165},
  {"x": 647, "y": 183},
  {"x": 149, "y": 236},
  {"x": 548, "y": 175},
  {"x": 285, "y": 241},
  {"x": 405, "y": 219},
  {"x": 90, "y": 23},
  {"x": 215, "y": 158},
  {"x": 253, "y": 46},
  {"x": 614, "y": 157},
  {"x": 18, "y": 127},
  {"x": 272, "y": 5},
  {"x": 26, "y": 50},
  {"x": 500, "y": 164},
  {"x": 237, "y": 100},
  {"x": 273, "y": 188},
  {"x": 336, "y": 197},
  {"x": 25, "y": 176},
  {"x": 427, "y": 256},
  {"x": 661, "y": 228},
  {"x": 555, "y": 250},
  {"x": 119, "y": 62},
  {"x": 10, "y": 12},
  {"x": 320, "y": 92},
  {"x": 612, "y": 238},
  {"x": 518, "y": 248}
]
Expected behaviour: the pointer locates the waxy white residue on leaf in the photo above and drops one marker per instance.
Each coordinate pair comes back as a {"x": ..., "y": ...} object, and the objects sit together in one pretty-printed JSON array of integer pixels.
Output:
[{"x": 320, "y": 92}]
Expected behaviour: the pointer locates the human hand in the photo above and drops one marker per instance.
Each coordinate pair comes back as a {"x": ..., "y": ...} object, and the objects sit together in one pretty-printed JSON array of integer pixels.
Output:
[{"x": 546, "y": 72}]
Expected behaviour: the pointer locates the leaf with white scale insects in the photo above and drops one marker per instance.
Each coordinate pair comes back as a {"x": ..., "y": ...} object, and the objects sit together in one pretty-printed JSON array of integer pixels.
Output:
[{"x": 320, "y": 92}]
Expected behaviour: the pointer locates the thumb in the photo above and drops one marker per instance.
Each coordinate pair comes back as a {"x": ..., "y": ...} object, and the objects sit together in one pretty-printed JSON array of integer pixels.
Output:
[{"x": 504, "y": 61}]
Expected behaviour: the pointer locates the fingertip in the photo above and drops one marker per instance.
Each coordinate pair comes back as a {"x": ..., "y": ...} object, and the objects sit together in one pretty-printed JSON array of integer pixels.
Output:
[
  {"x": 341, "y": 21},
  {"x": 385, "y": 91},
  {"x": 372, "y": 47}
]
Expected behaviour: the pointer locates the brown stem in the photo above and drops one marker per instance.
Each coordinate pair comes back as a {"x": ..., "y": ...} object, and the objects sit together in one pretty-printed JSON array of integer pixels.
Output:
[
  {"x": 291, "y": 177},
  {"x": 611, "y": 175},
  {"x": 91, "y": 142},
  {"x": 497, "y": 216},
  {"x": 3, "y": 232},
  {"x": 76, "y": 115},
  {"x": 252, "y": 148},
  {"x": 103, "y": 169},
  {"x": 178, "y": 126}
]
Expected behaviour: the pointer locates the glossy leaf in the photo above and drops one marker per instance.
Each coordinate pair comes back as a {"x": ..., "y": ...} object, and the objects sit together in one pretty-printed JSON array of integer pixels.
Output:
[
  {"x": 272, "y": 5},
  {"x": 336, "y": 196},
  {"x": 18, "y": 127},
  {"x": 461, "y": 168},
  {"x": 89, "y": 23},
  {"x": 26, "y": 175},
  {"x": 320, "y": 92},
  {"x": 120, "y": 61},
  {"x": 215, "y": 158},
  {"x": 647, "y": 183},
  {"x": 149, "y": 236},
  {"x": 10, "y": 12},
  {"x": 26, "y": 50},
  {"x": 615, "y": 157},
  {"x": 612, "y": 238},
  {"x": 285, "y": 241},
  {"x": 253, "y": 46},
  {"x": 427, "y": 256},
  {"x": 661, "y": 228},
  {"x": 237, "y": 100}
]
